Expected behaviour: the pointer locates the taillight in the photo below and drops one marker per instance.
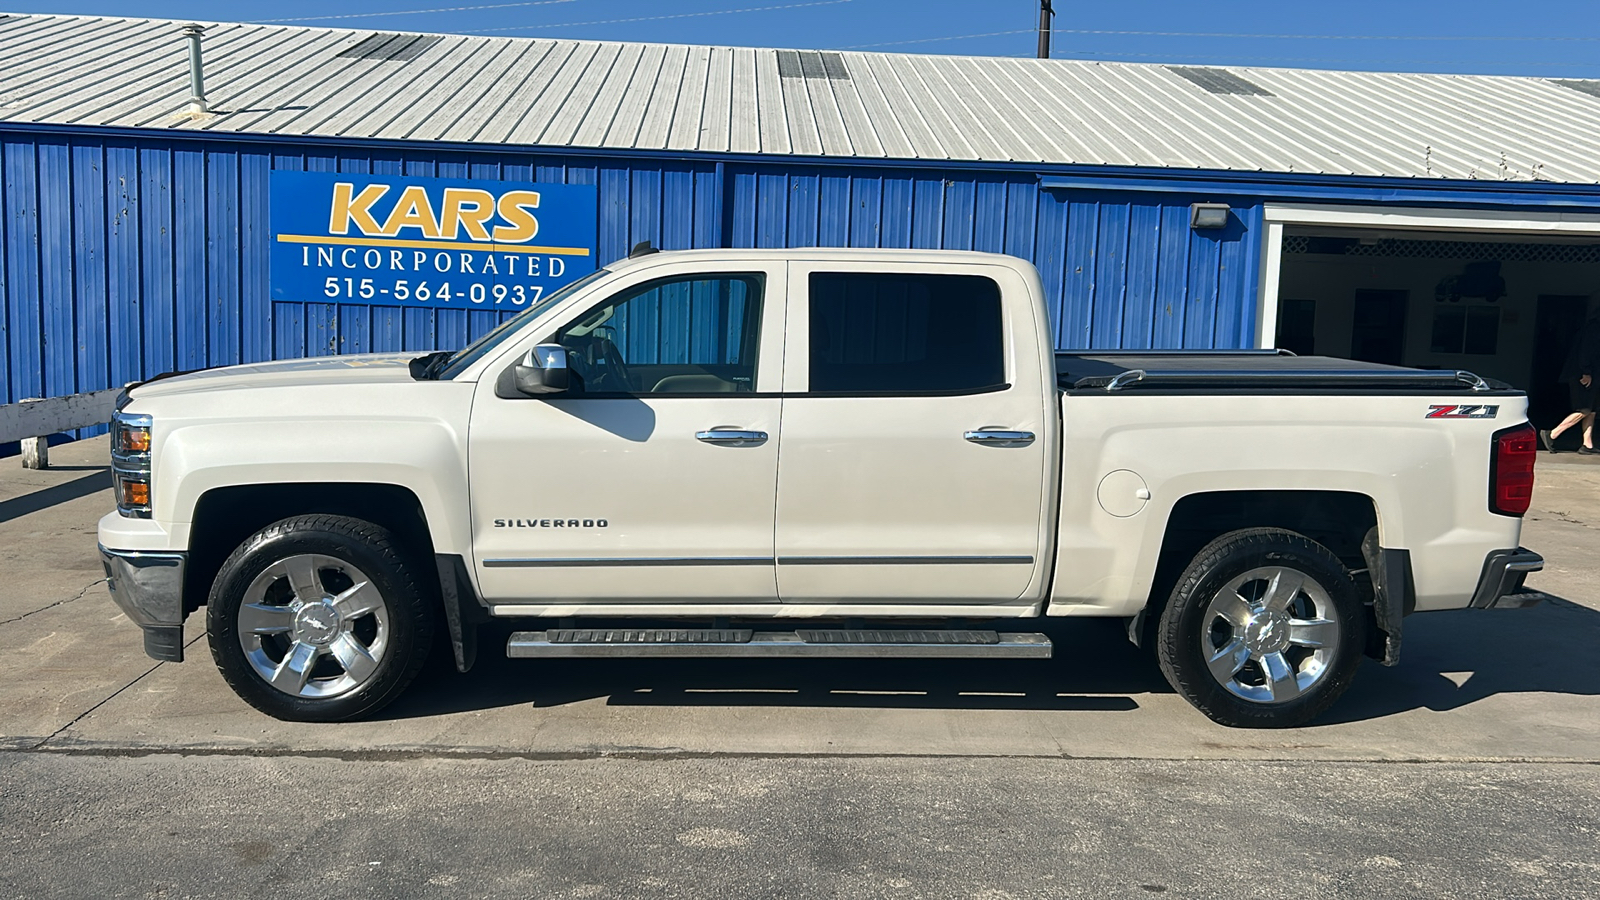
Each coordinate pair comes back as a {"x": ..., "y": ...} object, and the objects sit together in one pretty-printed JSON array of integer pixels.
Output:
[{"x": 1511, "y": 470}]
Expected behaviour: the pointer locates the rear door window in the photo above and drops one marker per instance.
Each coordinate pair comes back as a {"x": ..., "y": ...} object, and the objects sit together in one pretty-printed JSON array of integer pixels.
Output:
[{"x": 887, "y": 333}]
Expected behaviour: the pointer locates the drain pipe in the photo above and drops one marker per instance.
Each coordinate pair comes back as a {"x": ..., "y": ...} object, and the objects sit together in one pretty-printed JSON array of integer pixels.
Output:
[{"x": 197, "y": 81}]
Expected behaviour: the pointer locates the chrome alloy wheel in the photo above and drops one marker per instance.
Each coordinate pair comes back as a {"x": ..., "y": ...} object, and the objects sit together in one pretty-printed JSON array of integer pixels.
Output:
[
  {"x": 1270, "y": 634},
  {"x": 313, "y": 626}
]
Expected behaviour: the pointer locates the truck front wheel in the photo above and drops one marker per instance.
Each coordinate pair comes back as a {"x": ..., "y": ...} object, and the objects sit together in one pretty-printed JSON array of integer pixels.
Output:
[
  {"x": 318, "y": 618},
  {"x": 1263, "y": 630}
]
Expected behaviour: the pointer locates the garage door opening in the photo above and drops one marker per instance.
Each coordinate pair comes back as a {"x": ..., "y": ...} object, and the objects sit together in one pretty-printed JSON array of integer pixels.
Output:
[{"x": 1504, "y": 305}]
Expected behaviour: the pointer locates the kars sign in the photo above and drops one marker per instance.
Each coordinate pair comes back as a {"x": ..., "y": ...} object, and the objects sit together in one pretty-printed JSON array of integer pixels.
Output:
[{"x": 444, "y": 243}]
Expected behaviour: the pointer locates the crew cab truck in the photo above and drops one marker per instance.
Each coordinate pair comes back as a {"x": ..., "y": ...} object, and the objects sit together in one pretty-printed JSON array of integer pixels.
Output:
[{"x": 810, "y": 453}]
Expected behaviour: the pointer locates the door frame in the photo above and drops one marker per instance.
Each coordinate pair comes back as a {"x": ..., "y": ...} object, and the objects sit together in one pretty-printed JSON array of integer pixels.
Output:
[
  {"x": 769, "y": 378},
  {"x": 1028, "y": 372},
  {"x": 1277, "y": 216}
]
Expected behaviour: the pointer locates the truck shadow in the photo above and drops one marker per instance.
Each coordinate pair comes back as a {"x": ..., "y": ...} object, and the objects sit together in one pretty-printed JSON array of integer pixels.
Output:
[
  {"x": 1095, "y": 668},
  {"x": 1453, "y": 659},
  {"x": 1450, "y": 660}
]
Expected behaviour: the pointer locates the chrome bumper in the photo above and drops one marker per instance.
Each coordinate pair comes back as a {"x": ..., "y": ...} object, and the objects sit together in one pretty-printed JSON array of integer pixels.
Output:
[
  {"x": 1500, "y": 585},
  {"x": 149, "y": 588}
]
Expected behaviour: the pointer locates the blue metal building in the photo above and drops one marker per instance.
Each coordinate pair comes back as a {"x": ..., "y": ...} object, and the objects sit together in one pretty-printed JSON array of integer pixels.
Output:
[{"x": 135, "y": 237}]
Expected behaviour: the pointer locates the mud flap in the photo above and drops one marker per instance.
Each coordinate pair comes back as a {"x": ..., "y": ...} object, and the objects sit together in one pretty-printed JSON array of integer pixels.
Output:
[
  {"x": 1393, "y": 594},
  {"x": 462, "y": 611}
]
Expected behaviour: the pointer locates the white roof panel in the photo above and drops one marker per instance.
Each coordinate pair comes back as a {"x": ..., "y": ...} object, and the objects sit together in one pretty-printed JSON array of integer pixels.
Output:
[{"x": 299, "y": 82}]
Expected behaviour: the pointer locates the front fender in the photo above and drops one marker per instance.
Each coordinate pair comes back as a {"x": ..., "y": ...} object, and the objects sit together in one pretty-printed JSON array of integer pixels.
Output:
[{"x": 425, "y": 456}]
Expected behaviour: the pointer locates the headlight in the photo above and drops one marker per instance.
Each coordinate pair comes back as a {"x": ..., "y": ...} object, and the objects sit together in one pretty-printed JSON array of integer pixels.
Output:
[{"x": 130, "y": 464}]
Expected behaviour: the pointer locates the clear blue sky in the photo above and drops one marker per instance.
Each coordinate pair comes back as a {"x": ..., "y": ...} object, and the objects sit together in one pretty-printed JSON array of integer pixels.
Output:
[{"x": 1557, "y": 38}]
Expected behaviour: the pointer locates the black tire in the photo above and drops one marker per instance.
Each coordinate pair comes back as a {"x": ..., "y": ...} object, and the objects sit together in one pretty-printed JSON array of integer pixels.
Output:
[
  {"x": 394, "y": 639},
  {"x": 1197, "y": 625}
]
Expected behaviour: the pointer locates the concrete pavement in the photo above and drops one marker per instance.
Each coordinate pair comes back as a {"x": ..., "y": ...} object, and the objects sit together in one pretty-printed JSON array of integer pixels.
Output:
[{"x": 1513, "y": 684}]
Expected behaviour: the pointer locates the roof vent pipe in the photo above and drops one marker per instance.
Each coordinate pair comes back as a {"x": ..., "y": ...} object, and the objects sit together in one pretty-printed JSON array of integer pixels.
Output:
[{"x": 197, "y": 80}]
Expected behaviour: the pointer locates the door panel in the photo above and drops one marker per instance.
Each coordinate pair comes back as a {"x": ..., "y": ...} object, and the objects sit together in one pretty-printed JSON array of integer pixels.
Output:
[
  {"x": 882, "y": 495},
  {"x": 660, "y": 515},
  {"x": 884, "y": 499},
  {"x": 627, "y": 488}
]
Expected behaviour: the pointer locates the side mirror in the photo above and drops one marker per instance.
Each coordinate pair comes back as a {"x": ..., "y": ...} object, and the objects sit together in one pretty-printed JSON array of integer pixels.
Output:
[{"x": 543, "y": 371}]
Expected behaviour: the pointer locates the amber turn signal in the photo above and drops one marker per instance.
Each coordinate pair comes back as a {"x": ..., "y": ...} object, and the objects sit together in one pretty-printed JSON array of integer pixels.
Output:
[
  {"x": 135, "y": 440},
  {"x": 135, "y": 494}
]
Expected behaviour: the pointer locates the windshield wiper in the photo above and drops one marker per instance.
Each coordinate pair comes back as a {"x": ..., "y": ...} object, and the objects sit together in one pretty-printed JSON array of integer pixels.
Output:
[{"x": 428, "y": 367}]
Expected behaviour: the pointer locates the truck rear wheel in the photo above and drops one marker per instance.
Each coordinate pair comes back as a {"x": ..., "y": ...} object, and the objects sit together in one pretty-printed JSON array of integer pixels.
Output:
[
  {"x": 318, "y": 618},
  {"x": 1263, "y": 630}
]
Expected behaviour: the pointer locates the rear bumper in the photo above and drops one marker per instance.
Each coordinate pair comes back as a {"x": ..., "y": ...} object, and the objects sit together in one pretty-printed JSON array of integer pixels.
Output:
[
  {"x": 1500, "y": 585},
  {"x": 148, "y": 586}
]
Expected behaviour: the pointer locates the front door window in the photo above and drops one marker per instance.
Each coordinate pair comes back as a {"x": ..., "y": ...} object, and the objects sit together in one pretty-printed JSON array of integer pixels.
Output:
[{"x": 696, "y": 335}]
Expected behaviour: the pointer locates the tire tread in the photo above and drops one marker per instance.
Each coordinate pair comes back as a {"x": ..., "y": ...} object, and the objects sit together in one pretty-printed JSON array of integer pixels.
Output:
[
  {"x": 1195, "y": 684},
  {"x": 367, "y": 699}
]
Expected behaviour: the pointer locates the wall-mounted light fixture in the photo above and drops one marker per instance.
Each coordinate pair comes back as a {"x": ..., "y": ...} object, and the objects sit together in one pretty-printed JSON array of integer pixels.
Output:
[{"x": 1208, "y": 215}]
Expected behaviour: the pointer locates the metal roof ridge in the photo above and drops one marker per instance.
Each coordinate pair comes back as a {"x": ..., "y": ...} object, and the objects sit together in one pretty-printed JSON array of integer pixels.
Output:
[{"x": 293, "y": 82}]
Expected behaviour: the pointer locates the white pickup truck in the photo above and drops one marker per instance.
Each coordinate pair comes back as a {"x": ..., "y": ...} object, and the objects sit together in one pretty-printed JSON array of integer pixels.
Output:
[{"x": 814, "y": 453}]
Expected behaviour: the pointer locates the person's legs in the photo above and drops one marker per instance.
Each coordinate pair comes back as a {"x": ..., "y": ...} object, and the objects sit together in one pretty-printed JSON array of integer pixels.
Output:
[
  {"x": 1571, "y": 420},
  {"x": 1588, "y": 407},
  {"x": 1583, "y": 407}
]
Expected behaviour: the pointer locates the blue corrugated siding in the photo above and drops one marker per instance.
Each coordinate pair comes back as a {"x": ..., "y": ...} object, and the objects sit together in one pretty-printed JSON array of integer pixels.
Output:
[{"x": 121, "y": 258}]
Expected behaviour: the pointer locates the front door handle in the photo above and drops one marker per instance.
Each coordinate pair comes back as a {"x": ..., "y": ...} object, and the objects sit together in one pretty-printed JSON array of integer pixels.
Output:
[
  {"x": 997, "y": 436},
  {"x": 724, "y": 435}
]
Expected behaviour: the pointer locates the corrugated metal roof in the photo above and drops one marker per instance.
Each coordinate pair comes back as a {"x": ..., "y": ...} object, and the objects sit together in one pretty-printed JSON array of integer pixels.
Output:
[{"x": 298, "y": 82}]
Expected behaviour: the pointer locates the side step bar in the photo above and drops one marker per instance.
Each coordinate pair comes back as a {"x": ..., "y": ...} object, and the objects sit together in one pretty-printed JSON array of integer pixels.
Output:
[{"x": 743, "y": 642}]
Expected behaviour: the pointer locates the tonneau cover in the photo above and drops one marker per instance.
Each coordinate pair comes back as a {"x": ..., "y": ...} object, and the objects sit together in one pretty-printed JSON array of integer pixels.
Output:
[{"x": 1254, "y": 371}]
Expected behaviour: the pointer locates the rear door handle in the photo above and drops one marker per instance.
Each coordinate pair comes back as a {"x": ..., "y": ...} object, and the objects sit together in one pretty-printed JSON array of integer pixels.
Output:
[
  {"x": 997, "y": 436},
  {"x": 725, "y": 435}
]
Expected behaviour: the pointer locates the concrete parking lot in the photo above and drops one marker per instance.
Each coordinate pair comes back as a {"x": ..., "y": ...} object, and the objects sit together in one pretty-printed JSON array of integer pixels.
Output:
[{"x": 1472, "y": 768}]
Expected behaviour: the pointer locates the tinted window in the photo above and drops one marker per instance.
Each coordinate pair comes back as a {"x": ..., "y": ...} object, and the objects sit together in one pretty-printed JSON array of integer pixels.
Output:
[
  {"x": 905, "y": 334},
  {"x": 676, "y": 336}
]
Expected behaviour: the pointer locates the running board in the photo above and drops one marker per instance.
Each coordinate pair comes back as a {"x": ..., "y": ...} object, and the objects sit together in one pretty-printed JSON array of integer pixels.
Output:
[{"x": 743, "y": 642}]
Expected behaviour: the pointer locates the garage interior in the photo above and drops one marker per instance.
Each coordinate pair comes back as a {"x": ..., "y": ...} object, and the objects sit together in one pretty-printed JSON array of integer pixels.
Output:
[{"x": 1504, "y": 306}]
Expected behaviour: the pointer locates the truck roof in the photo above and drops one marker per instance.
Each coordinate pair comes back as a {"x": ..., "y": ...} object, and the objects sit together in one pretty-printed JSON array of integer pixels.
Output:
[{"x": 847, "y": 254}]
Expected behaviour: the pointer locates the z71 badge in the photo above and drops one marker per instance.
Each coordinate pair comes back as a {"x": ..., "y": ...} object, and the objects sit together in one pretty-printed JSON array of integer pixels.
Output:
[{"x": 1440, "y": 411}]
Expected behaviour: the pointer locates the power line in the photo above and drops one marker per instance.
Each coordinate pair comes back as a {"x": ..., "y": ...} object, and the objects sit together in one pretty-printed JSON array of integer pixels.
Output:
[
  {"x": 1217, "y": 34},
  {"x": 714, "y": 12},
  {"x": 1326, "y": 37},
  {"x": 956, "y": 37},
  {"x": 1068, "y": 54},
  {"x": 1317, "y": 59},
  {"x": 409, "y": 12}
]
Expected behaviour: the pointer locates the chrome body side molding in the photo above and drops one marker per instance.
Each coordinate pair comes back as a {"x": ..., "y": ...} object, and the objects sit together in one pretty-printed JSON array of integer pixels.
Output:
[
  {"x": 905, "y": 560},
  {"x": 590, "y": 562},
  {"x": 586, "y": 562}
]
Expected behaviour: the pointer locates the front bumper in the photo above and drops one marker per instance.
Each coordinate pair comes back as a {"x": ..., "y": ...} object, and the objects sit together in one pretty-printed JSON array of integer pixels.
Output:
[
  {"x": 1500, "y": 585},
  {"x": 148, "y": 586}
]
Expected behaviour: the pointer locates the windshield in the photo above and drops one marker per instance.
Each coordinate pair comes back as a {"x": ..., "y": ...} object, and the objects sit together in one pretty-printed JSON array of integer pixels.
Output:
[{"x": 490, "y": 341}]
